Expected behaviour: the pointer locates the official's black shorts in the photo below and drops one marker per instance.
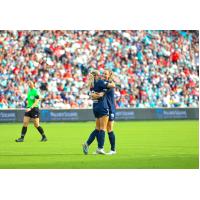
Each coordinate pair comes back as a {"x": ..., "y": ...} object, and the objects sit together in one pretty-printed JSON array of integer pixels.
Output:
[{"x": 33, "y": 113}]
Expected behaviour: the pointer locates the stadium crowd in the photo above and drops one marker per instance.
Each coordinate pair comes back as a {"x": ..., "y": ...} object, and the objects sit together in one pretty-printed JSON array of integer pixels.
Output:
[{"x": 152, "y": 68}]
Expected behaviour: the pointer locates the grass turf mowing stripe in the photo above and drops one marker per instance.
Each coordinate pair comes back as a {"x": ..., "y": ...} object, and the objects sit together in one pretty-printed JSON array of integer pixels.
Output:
[{"x": 140, "y": 145}]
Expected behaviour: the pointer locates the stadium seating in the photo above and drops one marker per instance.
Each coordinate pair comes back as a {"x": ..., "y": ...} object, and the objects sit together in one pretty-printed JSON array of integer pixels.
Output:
[{"x": 152, "y": 68}]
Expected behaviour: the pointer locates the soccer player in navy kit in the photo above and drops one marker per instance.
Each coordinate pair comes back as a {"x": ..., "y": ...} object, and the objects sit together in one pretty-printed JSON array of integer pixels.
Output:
[
  {"x": 100, "y": 110},
  {"x": 108, "y": 76}
]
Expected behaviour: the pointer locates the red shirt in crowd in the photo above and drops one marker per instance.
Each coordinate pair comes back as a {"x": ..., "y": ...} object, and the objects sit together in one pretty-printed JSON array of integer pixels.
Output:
[
  {"x": 123, "y": 92},
  {"x": 175, "y": 56},
  {"x": 186, "y": 72}
]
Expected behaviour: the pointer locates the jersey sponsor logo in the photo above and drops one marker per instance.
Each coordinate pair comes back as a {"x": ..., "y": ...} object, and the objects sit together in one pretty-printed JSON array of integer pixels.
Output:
[{"x": 32, "y": 97}]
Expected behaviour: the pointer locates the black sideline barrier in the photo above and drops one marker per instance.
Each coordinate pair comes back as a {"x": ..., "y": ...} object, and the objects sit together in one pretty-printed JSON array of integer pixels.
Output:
[{"x": 60, "y": 115}]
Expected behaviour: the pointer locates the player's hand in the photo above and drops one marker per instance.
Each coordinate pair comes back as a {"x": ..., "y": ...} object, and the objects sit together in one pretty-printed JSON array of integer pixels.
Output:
[
  {"x": 97, "y": 95},
  {"x": 100, "y": 94},
  {"x": 90, "y": 77},
  {"x": 28, "y": 109}
]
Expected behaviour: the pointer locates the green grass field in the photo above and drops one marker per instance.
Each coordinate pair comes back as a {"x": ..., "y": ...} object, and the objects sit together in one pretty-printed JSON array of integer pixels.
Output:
[{"x": 140, "y": 145}]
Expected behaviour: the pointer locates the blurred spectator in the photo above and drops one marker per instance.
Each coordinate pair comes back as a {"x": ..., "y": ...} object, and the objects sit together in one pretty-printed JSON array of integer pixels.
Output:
[{"x": 154, "y": 68}]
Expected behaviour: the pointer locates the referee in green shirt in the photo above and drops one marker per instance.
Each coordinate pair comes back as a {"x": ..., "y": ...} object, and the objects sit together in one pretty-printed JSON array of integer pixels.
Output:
[{"x": 32, "y": 111}]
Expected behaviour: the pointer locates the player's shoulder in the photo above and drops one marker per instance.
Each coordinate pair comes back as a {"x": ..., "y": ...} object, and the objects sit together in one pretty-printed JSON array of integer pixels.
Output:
[
  {"x": 35, "y": 90},
  {"x": 100, "y": 81}
]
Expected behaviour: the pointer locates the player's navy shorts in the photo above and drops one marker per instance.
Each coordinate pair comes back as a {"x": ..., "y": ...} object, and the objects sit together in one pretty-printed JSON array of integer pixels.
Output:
[
  {"x": 33, "y": 113},
  {"x": 111, "y": 116},
  {"x": 100, "y": 112}
]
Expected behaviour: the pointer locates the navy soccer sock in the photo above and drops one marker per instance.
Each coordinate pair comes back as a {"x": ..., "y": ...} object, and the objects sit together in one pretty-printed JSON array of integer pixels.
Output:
[
  {"x": 101, "y": 139},
  {"x": 23, "y": 133},
  {"x": 112, "y": 140},
  {"x": 92, "y": 137}
]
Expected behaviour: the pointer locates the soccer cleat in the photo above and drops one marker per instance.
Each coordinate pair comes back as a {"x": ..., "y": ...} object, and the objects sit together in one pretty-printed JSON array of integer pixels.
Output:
[
  {"x": 85, "y": 148},
  {"x": 111, "y": 152},
  {"x": 19, "y": 140},
  {"x": 100, "y": 151},
  {"x": 44, "y": 139}
]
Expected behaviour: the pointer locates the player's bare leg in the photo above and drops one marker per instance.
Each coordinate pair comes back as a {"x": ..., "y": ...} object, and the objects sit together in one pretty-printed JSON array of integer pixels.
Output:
[{"x": 110, "y": 126}]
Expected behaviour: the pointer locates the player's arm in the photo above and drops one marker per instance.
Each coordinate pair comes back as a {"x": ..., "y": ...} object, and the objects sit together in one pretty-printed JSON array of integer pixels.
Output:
[
  {"x": 113, "y": 82},
  {"x": 101, "y": 94},
  {"x": 111, "y": 85},
  {"x": 96, "y": 96},
  {"x": 107, "y": 85},
  {"x": 90, "y": 81}
]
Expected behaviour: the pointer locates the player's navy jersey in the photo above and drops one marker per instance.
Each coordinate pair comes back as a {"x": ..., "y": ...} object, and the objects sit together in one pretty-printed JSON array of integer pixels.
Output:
[
  {"x": 110, "y": 95},
  {"x": 111, "y": 99},
  {"x": 100, "y": 86},
  {"x": 100, "y": 106}
]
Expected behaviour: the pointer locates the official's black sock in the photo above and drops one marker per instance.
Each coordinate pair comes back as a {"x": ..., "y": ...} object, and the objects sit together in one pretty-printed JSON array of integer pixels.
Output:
[
  {"x": 23, "y": 133},
  {"x": 101, "y": 139},
  {"x": 111, "y": 136},
  {"x": 41, "y": 131},
  {"x": 92, "y": 137}
]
